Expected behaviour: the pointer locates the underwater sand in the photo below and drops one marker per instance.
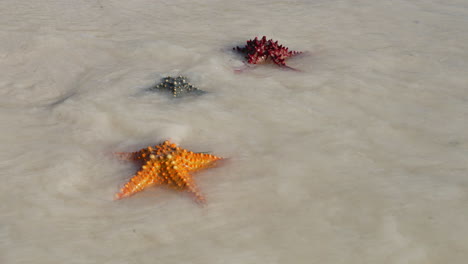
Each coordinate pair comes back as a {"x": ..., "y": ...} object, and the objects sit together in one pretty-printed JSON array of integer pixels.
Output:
[{"x": 360, "y": 158}]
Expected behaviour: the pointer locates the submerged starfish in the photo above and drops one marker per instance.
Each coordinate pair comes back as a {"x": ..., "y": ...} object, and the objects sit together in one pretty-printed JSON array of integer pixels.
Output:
[
  {"x": 259, "y": 51},
  {"x": 167, "y": 164},
  {"x": 179, "y": 86}
]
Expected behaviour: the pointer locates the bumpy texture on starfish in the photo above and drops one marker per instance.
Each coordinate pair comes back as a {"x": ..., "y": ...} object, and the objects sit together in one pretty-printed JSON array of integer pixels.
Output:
[
  {"x": 259, "y": 51},
  {"x": 179, "y": 87},
  {"x": 167, "y": 164}
]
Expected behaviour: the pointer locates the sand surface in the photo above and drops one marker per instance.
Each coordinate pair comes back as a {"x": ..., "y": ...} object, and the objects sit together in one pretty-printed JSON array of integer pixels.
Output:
[{"x": 360, "y": 158}]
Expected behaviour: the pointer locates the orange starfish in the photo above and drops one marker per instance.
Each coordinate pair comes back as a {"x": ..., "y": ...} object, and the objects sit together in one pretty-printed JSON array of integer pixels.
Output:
[{"x": 168, "y": 164}]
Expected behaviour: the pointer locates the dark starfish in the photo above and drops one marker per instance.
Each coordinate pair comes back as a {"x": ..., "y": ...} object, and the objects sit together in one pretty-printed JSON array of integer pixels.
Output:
[
  {"x": 259, "y": 51},
  {"x": 179, "y": 86}
]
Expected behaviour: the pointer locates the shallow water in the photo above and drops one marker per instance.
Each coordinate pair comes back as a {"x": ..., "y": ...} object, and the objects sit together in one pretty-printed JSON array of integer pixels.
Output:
[{"x": 359, "y": 158}]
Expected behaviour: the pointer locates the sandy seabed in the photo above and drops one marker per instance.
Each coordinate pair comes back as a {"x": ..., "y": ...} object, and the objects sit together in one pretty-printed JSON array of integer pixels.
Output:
[{"x": 360, "y": 158}]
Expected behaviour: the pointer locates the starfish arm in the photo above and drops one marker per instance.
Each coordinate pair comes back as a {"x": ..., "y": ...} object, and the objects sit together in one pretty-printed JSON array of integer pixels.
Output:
[
  {"x": 137, "y": 183},
  {"x": 190, "y": 186},
  {"x": 142, "y": 154},
  {"x": 199, "y": 161},
  {"x": 182, "y": 180},
  {"x": 127, "y": 156},
  {"x": 193, "y": 189},
  {"x": 291, "y": 68},
  {"x": 294, "y": 53}
]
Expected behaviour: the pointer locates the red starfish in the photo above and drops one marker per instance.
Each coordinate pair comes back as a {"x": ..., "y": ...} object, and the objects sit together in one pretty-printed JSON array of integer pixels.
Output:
[{"x": 259, "y": 51}]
